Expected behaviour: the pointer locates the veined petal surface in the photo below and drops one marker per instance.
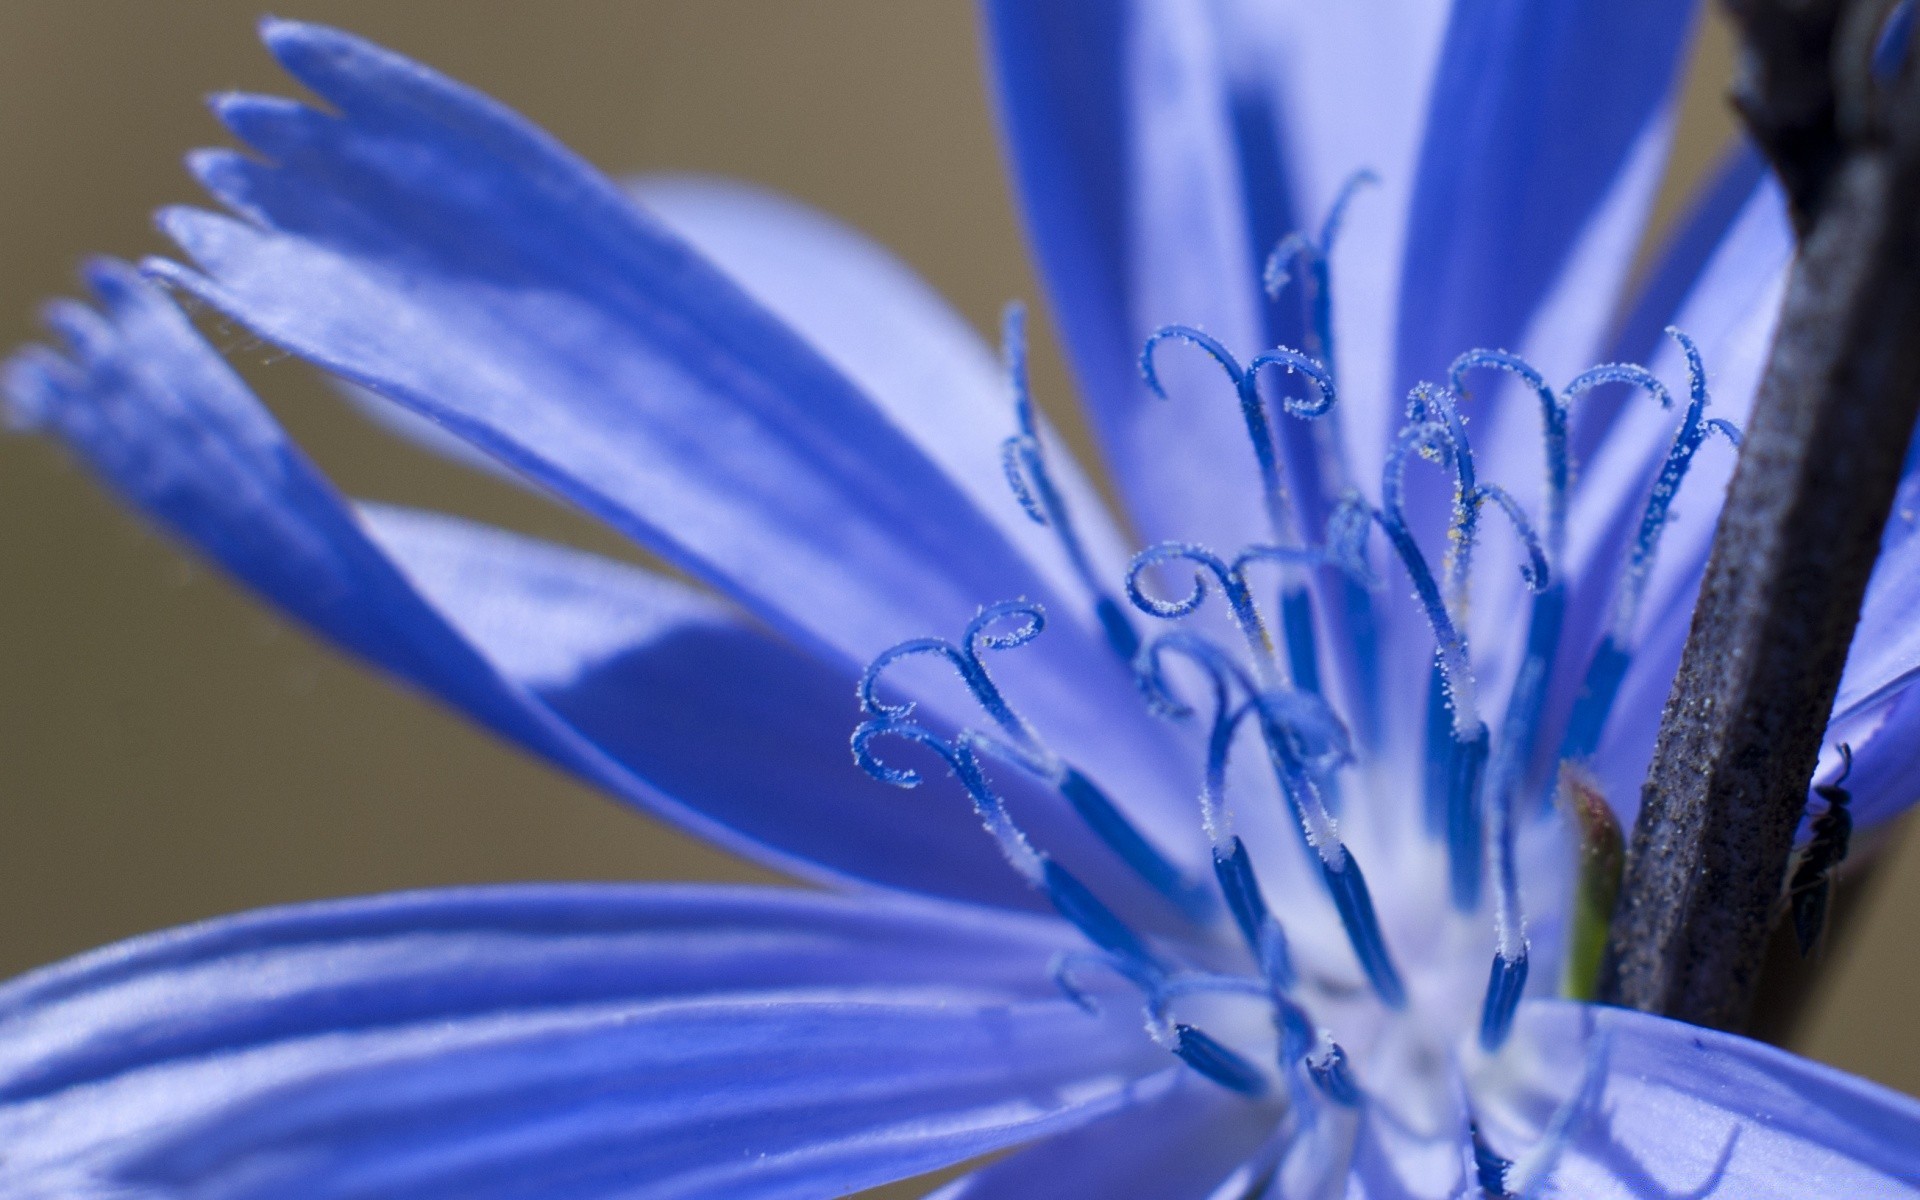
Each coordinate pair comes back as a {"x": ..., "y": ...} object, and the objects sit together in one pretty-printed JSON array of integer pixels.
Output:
[
  {"x": 643, "y": 687},
  {"x": 578, "y": 1041},
  {"x": 429, "y": 244},
  {"x": 1687, "y": 1111}
]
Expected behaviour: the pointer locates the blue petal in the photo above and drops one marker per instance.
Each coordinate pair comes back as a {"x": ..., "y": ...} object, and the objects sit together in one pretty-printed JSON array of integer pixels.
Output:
[
  {"x": 867, "y": 313},
  {"x": 736, "y": 736},
  {"x": 638, "y": 685},
  {"x": 1687, "y": 1111},
  {"x": 1118, "y": 123},
  {"x": 1181, "y": 1146},
  {"x": 1535, "y": 110},
  {"x": 549, "y": 1041},
  {"x": 432, "y": 246}
]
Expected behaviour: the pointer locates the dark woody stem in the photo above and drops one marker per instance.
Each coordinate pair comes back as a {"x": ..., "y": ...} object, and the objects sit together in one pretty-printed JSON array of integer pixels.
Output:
[{"x": 1797, "y": 539}]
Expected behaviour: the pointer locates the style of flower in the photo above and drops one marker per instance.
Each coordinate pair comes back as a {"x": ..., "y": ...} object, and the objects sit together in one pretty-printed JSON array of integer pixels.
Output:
[{"x": 778, "y": 408}]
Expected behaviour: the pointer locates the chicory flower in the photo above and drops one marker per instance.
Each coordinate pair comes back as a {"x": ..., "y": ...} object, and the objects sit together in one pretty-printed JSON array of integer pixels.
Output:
[{"x": 1437, "y": 583}]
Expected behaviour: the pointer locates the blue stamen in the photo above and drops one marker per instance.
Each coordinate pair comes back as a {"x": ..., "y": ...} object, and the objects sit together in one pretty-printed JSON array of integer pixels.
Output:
[
  {"x": 1316, "y": 452},
  {"x": 1113, "y": 828},
  {"x": 1517, "y": 735},
  {"x": 1464, "y": 821},
  {"x": 1085, "y": 912},
  {"x": 1450, "y": 643},
  {"x": 965, "y": 765},
  {"x": 1334, "y": 1076},
  {"x": 1553, "y": 420},
  {"x": 1467, "y": 751},
  {"x": 1234, "y": 868},
  {"x": 1296, "y": 624},
  {"x": 1070, "y": 898},
  {"x": 1595, "y": 700},
  {"x": 1022, "y": 746},
  {"x": 1023, "y": 458},
  {"x": 1303, "y": 653},
  {"x": 1235, "y": 871},
  {"x": 1489, "y": 1169},
  {"x": 1437, "y": 769},
  {"x": 1346, "y": 536},
  {"x": 1062, "y": 969},
  {"x": 1226, "y": 1068},
  {"x": 1526, "y": 706},
  {"x": 1505, "y": 983},
  {"x": 1198, "y": 1049},
  {"x": 1354, "y": 902},
  {"x": 1601, "y": 684},
  {"x": 1303, "y": 738}
]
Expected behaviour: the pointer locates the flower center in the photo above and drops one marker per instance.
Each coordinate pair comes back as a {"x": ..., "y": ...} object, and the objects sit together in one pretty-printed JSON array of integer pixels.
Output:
[{"x": 1321, "y": 1017}]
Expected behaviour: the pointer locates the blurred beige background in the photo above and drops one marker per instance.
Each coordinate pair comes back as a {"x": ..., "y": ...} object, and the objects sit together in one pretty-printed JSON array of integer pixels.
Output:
[{"x": 168, "y": 751}]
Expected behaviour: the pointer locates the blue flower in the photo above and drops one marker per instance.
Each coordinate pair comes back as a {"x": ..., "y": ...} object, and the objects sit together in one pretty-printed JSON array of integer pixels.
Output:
[{"x": 1160, "y": 971}]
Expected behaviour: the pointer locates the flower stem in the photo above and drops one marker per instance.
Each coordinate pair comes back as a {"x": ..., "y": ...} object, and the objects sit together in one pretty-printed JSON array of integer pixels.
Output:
[{"x": 1801, "y": 528}]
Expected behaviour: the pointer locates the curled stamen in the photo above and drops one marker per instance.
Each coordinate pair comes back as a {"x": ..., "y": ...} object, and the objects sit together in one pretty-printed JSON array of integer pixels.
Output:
[
  {"x": 1458, "y": 760},
  {"x": 1610, "y": 660},
  {"x": 1302, "y": 652},
  {"x": 965, "y": 765},
  {"x": 1232, "y": 581},
  {"x": 1316, "y": 453},
  {"x": 1295, "y": 362},
  {"x": 1253, "y": 408},
  {"x": 1005, "y": 626},
  {"x": 1030, "y": 619},
  {"x": 1451, "y": 644},
  {"x": 1023, "y": 459},
  {"x": 1553, "y": 420},
  {"x": 1535, "y": 571}
]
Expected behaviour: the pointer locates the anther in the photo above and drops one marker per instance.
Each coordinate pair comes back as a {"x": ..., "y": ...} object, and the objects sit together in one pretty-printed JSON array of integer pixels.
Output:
[
  {"x": 1333, "y": 1074},
  {"x": 1490, "y": 1170},
  {"x": 1225, "y": 1067}
]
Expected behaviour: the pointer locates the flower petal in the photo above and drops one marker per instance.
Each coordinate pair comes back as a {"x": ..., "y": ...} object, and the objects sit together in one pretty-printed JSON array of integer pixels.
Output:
[
  {"x": 640, "y": 686},
  {"x": 558, "y": 1041},
  {"x": 1687, "y": 1111},
  {"x": 893, "y": 336},
  {"x": 431, "y": 245},
  {"x": 736, "y": 735},
  {"x": 1180, "y": 1146},
  {"x": 1535, "y": 111},
  {"x": 1118, "y": 124}
]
